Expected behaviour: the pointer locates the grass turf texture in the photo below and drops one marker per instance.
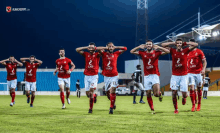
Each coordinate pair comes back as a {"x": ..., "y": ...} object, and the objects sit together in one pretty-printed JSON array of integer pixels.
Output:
[{"x": 47, "y": 115}]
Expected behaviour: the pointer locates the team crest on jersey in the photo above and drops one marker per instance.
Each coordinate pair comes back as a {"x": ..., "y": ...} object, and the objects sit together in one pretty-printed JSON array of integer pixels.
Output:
[
  {"x": 64, "y": 61},
  {"x": 9, "y": 65},
  {"x": 196, "y": 54},
  {"x": 182, "y": 53},
  {"x": 145, "y": 56},
  {"x": 29, "y": 66},
  {"x": 174, "y": 54},
  {"x": 33, "y": 66},
  {"x": 58, "y": 63},
  {"x": 93, "y": 55},
  {"x": 153, "y": 55},
  {"x": 88, "y": 55}
]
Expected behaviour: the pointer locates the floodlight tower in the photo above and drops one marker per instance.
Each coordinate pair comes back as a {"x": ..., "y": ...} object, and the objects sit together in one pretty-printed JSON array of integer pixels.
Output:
[{"x": 142, "y": 22}]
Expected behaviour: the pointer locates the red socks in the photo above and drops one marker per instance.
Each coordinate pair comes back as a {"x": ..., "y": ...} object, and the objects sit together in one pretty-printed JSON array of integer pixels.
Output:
[
  {"x": 32, "y": 99},
  {"x": 91, "y": 103},
  {"x": 67, "y": 94},
  {"x": 150, "y": 102},
  {"x": 12, "y": 96},
  {"x": 175, "y": 104},
  {"x": 62, "y": 97},
  {"x": 192, "y": 96},
  {"x": 112, "y": 99},
  {"x": 94, "y": 95},
  {"x": 195, "y": 94},
  {"x": 199, "y": 96}
]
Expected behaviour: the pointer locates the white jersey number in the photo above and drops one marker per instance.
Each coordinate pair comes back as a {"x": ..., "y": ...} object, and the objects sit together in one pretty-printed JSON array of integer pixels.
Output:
[
  {"x": 178, "y": 61},
  {"x": 61, "y": 68},
  {"x": 191, "y": 62},
  {"x": 109, "y": 63},
  {"x": 149, "y": 62}
]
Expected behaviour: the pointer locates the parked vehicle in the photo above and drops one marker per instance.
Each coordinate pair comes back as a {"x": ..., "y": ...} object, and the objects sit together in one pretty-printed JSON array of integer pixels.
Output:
[{"x": 122, "y": 91}]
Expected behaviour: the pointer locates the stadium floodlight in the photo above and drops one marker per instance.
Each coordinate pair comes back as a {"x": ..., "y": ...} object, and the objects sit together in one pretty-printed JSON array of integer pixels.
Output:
[
  {"x": 215, "y": 33},
  {"x": 200, "y": 37}
]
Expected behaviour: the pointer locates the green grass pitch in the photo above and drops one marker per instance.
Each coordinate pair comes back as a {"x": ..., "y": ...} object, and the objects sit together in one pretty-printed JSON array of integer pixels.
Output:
[{"x": 47, "y": 116}]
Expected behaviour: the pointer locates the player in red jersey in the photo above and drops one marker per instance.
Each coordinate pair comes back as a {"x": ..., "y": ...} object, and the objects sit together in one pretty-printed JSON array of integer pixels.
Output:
[
  {"x": 110, "y": 72},
  {"x": 179, "y": 77},
  {"x": 196, "y": 68},
  {"x": 62, "y": 67},
  {"x": 91, "y": 71},
  {"x": 11, "y": 66},
  {"x": 151, "y": 72},
  {"x": 30, "y": 80}
]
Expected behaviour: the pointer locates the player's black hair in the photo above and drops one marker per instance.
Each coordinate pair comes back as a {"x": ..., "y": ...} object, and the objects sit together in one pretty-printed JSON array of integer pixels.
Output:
[
  {"x": 11, "y": 56},
  {"x": 109, "y": 43},
  {"x": 77, "y": 80},
  {"x": 62, "y": 49},
  {"x": 33, "y": 56},
  {"x": 138, "y": 66},
  {"x": 179, "y": 39},
  {"x": 92, "y": 43},
  {"x": 149, "y": 41},
  {"x": 192, "y": 40}
]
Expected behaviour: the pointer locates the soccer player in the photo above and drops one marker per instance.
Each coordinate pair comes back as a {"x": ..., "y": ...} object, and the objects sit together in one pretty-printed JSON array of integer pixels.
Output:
[
  {"x": 91, "y": 71},
  {"x": 30, "y": 80},
  {"x": 110, "y": 72},
  {"x": 179, "y": 78},
  {"x": 137, "y": 76},
  {"x": 150, "y": 57},
  {"x": 78, "y": 88},
  {"x": 62, "y": 67},
  {"x": 207, "y": 81},
  {"x": 11, "y": 66},
  {"x": 196, "y": 62}
]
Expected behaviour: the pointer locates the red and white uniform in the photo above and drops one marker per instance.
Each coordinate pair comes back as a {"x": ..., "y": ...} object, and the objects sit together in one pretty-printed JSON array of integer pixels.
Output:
[
  {"x": 179, "y": 77},
  {"x": 11, "y": 75},
  {"x": 109, "y": 66},
  {"x": 151, "y": 71},
  {"x": 91, "y": 69},
  {"x": 31, "y": 70},
  {"x": 63, "y": 76},
  {"x": 195, "y": 65}
]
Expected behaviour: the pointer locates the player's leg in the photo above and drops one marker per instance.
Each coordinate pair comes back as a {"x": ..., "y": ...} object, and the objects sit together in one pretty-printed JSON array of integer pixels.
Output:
[
  {"x": 91, "y": 99},
  {"x": 12, "y": 90},
  {"x": 174, "y": 85},
  {"x": 67, "y": 83},
  {"x": 62, "y": 96},
  {"x": 27, "y": 89},
  {"x": 199, "y": 90},
  {"x": 196, "y": 94},
  {"x": 135, "y": 94},
  {"x": 156, "y": 86},
  {"x": 148, "y": 87},
  {"x": 94, "y": 82},
  {"x": 114, "y": 84},
  {"x": 184, "y": 87},
  {"x": 107, "y": 86},
  {"x": 140, "y": 86},
  {"x": 192, "y": 91},
  {"x": 32, "y": 89}
]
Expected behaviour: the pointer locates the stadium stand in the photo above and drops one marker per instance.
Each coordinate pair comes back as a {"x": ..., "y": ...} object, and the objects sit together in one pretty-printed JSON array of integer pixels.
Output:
[{"x": 46, "y": 81}]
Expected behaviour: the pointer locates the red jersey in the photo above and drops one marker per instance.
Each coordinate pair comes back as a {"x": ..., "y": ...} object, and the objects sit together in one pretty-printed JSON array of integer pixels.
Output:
[
  {"x": 91, "y": 63},
  {"x": 179, "y": 61},
  {"x": 63, "y": 66},
  {"x": 31, "y": 70},
  {"x": 150, "y": 61},
  {"x": 109, "y": 63},
  {"x": 194, "y": 61},
  {"x": 11, "y": 71}
]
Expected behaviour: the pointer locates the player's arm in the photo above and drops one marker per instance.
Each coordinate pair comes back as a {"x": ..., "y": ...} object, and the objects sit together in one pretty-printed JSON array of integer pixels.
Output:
[
  {"x": 204, "y": 64},
  {"x": 56, "y": 70},
  {"x": 167, "y": 44},
  {"x": 122, "y": 48},
  {"x": 72, "y": 67},
  {"x": 19, "y": 63},
  {"x": 39, "y": 61},
  {"x": 192, "y": 45},
  {"x": 101, "y": 49},
  {"x": 80, "y": 50},
  {"x": 23, "y": 60},
  {"x": 165, "y": 51},
  {"x": 135, "y": 50},
  {"x": 3, "y": 62}
]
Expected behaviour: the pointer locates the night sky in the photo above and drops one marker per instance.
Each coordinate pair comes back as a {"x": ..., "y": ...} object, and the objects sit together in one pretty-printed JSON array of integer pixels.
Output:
[{"x": 54, "y": 24}]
